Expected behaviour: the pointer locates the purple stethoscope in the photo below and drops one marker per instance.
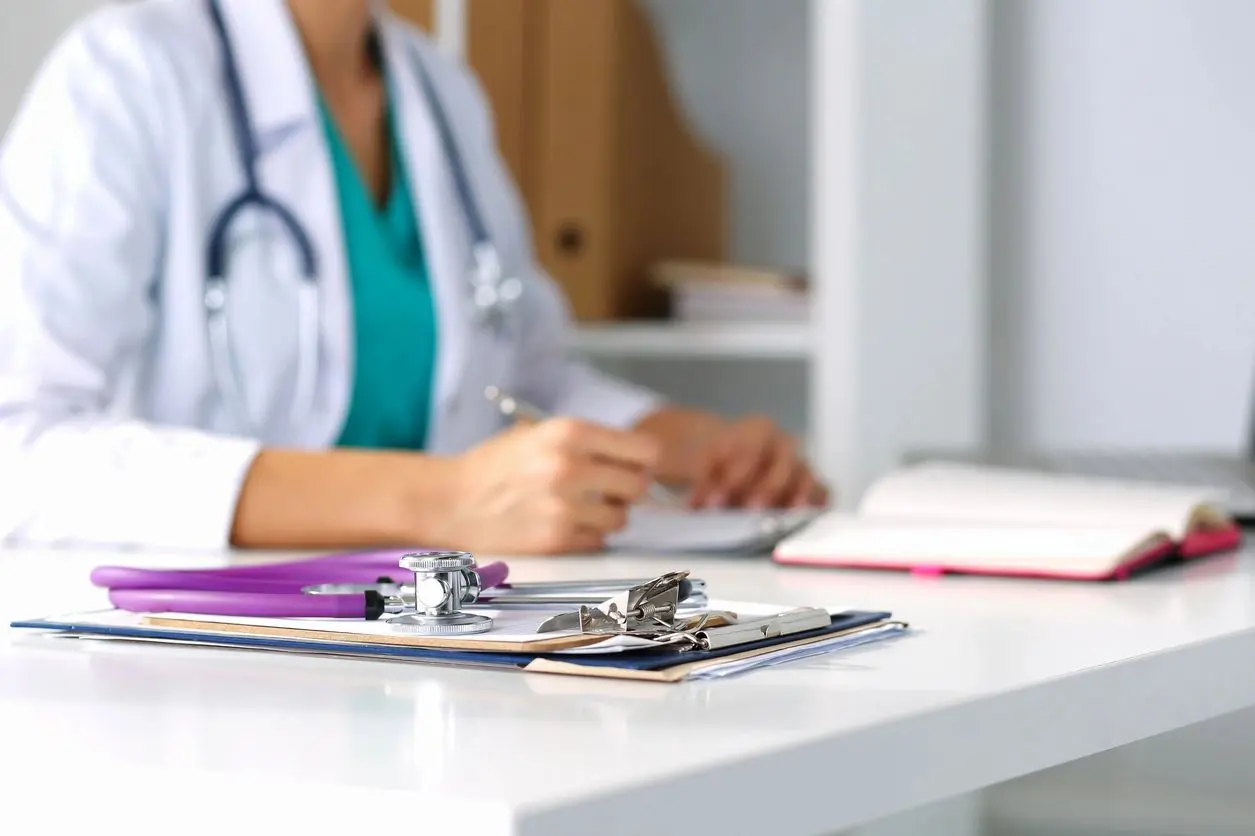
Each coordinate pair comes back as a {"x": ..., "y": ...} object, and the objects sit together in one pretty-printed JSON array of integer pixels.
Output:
[
  {"x": 349, "y": 586},
  {"x": 355, "y": 586}
]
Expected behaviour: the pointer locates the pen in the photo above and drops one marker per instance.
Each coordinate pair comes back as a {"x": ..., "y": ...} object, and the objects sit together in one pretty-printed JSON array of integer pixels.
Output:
[{"x": 512, "y": 407}]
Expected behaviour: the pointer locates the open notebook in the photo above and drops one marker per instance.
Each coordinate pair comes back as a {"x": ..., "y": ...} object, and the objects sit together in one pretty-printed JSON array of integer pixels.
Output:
[{"x": 939, "y": 517}]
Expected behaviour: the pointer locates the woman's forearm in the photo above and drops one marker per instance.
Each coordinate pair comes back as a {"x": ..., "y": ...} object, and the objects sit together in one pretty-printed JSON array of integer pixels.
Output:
[{"x": 340, "y": 499}]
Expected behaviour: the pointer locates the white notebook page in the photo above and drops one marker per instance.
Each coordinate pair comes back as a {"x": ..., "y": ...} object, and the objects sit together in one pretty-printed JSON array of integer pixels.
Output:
[
  {"x": 956, "y": 493},
  {"x": 1083, "y": 550}
]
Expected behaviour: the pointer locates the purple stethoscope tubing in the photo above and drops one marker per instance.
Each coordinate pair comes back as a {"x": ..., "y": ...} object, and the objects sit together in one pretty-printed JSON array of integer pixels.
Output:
[
  {"x": 359, "y": 567},
  {"x": 241, "y": 604},
  {"x": 263, "y": 591}
]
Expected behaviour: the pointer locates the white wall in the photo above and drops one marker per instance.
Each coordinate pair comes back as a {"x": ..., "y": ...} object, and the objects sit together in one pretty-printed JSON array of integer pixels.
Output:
[
  {"x": 1123, "y": 288},
  {"x": 1125, "y": 211},
  {"x": 28, "y": 29}
]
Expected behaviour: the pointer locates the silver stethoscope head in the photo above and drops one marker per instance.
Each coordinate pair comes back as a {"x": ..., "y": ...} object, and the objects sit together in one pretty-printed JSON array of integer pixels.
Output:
[
  {"x": 493, "y": 294},
  {"x": 489, "y": 300},
  {"x": 444, "y": 582}
]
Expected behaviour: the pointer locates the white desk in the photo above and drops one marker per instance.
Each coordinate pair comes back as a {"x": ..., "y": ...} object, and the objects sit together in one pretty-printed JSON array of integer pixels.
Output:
[{"x": 1004, "y": 678}]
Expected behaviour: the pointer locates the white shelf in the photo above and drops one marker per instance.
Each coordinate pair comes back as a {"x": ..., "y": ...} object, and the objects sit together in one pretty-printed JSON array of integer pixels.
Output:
[{"x": 737, "y": 340}]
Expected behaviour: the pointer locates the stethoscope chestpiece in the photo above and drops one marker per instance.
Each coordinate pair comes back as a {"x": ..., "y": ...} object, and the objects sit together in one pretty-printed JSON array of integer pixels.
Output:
[
  {"x": 443, "y": 583},
  {"x": 493, "y": 293}
]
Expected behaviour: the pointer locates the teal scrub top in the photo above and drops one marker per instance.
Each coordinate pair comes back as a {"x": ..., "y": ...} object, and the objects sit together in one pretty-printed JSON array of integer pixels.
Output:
[{"x": 394, "y": 315}]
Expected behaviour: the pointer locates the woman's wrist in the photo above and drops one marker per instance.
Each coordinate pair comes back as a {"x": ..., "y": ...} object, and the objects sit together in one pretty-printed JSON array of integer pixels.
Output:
[{"x": 415, "y": 494}]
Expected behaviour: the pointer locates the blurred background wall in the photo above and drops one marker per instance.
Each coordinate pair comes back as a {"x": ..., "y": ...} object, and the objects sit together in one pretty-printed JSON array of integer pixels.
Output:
[
  {"x": 27, "y": 30},
  {"x": 1123, "y": 269}
]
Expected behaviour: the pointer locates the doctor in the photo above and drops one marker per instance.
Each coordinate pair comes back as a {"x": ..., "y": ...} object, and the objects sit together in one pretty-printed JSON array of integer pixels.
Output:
[{"x": 259, "y": 261}]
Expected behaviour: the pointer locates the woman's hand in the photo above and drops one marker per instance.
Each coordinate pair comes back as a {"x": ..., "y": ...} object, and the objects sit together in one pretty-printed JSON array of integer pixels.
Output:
[
  {"x": 558, "y": 486},
  {"x": 753, "y": 463}
]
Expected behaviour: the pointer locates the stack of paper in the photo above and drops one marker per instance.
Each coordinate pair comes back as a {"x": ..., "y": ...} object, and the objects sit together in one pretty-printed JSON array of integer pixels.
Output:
[{"x": 715, "y": 292}]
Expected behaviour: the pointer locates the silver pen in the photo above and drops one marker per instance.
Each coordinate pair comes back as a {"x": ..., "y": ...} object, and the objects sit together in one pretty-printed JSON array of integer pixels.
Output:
[{"x": 512, "y": 407}]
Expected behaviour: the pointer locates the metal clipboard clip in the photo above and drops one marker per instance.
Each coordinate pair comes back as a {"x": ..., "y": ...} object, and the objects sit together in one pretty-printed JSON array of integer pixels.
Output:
[
  {"x": 642, "y": 610},
  {"x": 652, "y": 611}
]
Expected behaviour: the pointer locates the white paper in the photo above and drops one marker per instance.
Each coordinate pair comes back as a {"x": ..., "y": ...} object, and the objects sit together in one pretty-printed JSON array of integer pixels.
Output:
[
  {"x": 677, "y": 530},
  {"x": 513, "y": 626}
]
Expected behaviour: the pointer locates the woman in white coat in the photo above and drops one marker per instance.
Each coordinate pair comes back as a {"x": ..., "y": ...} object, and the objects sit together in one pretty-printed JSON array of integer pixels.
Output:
[{"x": 259, "y": 262}]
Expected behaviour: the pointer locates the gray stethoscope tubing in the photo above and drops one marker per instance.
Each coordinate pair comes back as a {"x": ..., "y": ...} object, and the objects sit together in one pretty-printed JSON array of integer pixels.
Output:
[{"x": 492, "y": 293}]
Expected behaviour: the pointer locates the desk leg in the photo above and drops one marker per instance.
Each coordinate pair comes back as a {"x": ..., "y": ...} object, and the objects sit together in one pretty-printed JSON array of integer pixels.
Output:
[{"x": 962, "y": 816}]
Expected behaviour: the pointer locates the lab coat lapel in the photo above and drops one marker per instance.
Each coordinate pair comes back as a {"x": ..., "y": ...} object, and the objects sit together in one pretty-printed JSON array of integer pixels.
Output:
[
  {"x": 446, "y": 238},
  {"x": 295, "y": 168}
]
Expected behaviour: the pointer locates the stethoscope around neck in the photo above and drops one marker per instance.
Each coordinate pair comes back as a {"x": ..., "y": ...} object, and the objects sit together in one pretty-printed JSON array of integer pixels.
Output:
[{"x": 493, "y": 295}]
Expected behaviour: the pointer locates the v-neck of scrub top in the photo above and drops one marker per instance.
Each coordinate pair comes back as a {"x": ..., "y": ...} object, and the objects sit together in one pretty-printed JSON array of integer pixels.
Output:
[{"x": 394, "y": 317}]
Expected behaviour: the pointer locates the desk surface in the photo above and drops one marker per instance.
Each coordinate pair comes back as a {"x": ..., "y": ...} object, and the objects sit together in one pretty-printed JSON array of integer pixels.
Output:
[{"x": 1002, "y": 678}]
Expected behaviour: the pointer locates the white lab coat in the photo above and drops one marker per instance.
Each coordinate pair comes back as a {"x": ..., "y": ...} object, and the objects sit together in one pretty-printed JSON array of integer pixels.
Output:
[{"x": 111, "y": 427}]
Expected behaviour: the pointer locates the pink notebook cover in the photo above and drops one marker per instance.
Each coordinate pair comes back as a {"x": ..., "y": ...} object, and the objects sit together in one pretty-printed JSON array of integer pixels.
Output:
[{"x": 1197, "y": 544}]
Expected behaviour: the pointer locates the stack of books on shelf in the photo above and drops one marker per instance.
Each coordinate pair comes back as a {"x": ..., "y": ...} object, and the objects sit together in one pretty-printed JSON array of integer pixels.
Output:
[{"x": 713, "y": 292}]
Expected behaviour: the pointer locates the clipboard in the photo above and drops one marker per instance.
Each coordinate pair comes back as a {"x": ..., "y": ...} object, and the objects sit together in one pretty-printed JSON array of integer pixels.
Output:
[{"x": 847, "y": 628}]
